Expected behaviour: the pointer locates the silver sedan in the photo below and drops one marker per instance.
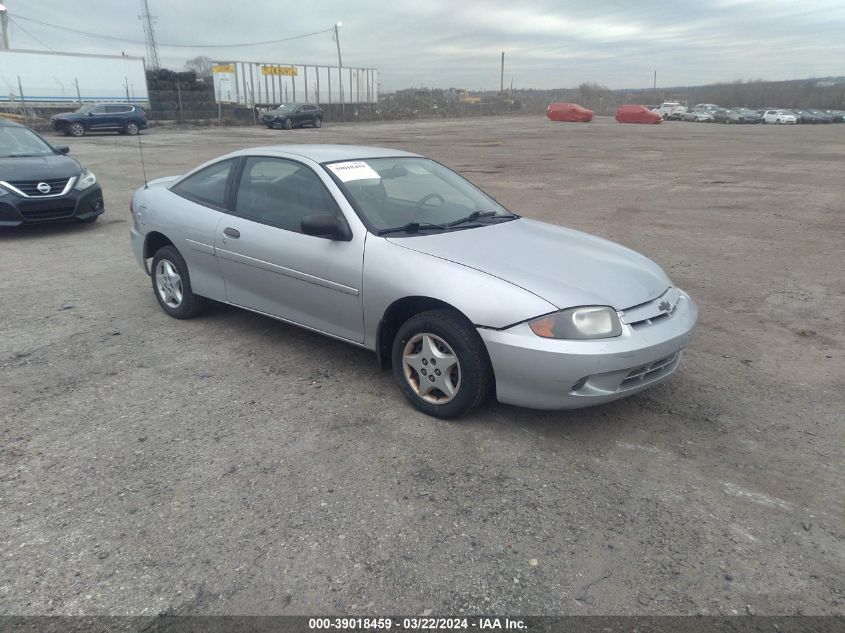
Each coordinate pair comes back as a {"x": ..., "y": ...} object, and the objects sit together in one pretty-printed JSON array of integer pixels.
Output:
[{"x": 395, "y": 253}]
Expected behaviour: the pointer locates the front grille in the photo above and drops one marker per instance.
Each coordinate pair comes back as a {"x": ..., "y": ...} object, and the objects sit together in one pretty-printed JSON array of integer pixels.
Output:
[
  {"x": 647, "y": 373},
  {"x": 30, "y": 187},
  {"x": 646, "y": 322},
  {"x": 654, "y": 311},
  {"x": 47, "y": 210}
]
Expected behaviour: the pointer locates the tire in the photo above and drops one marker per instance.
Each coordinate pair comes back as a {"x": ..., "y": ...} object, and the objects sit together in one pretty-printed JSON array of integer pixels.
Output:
[
  {"x": 132, "y": 128},
  {"x": 188, "y": 305},
  {"x": 76, "y": 129},
  {"x": 448, "y": 334},
  {"x": 318, "y": 121},
  {"x": 288, "y": 124}
]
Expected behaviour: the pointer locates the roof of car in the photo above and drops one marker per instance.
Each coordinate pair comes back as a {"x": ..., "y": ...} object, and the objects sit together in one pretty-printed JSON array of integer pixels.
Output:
[
  {"x": 8, "y": 123},
  {"x": 327, "y": 153}
]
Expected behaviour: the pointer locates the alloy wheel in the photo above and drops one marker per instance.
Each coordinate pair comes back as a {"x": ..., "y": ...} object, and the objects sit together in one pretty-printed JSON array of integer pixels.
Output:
[
  {"x": 431, "y": 368},
  {"x": 169, "y": 283}
]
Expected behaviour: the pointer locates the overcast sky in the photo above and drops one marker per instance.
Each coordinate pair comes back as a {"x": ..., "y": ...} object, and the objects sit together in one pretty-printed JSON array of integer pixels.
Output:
[{"x": 458, "y": 43}]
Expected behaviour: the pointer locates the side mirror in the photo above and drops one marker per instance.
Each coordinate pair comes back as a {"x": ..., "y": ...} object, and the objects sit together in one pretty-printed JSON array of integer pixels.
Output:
[
  {"x": 324, "y": 225},
  {"x": 63, "y": 149}
]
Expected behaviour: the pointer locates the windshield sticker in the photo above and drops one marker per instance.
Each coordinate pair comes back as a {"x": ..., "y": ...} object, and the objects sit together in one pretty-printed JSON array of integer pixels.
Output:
[{"x": 354, "y": 170}]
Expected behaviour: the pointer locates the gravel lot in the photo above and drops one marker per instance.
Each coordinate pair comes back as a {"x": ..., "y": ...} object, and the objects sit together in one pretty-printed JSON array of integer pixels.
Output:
[{"x": 234, "y": 464}]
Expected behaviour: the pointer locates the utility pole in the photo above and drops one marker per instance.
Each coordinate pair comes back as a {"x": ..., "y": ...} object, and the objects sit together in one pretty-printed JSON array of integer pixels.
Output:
[
  {"x": 502, "y": 77},
  {"x": 4, "y": 18},
  {"x": 340, "y": 65},
  {"x": 148, "y": 21},
  {"x": 654, "y": 92}
]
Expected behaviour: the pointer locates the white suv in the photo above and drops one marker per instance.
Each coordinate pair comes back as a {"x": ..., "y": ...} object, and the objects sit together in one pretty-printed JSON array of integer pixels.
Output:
[{"x": 778, "y": 117}]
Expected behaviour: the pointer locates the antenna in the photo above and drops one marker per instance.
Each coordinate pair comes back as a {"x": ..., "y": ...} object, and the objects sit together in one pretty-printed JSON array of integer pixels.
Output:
[{"x": 143, "y": 166}]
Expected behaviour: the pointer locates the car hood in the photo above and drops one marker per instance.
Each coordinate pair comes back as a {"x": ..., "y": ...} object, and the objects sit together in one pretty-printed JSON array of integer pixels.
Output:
[
  {"x": 563, "y": 266},
  {"x": 63, "y": 115},
  {"x": 39, "y": 168}
]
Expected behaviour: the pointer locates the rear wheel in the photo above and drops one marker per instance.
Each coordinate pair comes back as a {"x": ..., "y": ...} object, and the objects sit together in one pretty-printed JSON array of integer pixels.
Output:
[
  {"x": 441, "y": 364},
  {"x": 76, "y": 129},
  {"x": 318, "y": 122},
  {"x": 172, "y": 285},
  {"x": 131, "y": 128}
]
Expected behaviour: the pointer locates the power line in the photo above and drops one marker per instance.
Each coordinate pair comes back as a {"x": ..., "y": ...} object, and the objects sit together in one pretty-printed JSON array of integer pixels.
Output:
[
  {"x": 125, "y": 40},
  {"x": 13, "y": 21}
]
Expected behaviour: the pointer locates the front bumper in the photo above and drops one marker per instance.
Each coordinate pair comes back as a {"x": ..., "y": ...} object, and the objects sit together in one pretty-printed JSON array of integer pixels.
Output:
[
  {"x": 76, "y": 205},
  {"x": 540, "y": 373}
]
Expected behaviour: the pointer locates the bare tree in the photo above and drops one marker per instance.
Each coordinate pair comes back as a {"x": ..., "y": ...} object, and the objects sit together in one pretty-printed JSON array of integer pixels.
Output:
[{"x": 201, "y": 65}]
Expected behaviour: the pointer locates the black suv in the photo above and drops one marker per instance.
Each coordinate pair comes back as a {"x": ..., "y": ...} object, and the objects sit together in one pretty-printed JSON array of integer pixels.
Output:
[
  {"x": 123, "y": 118},
  {"x": 290, "y": 115},
  {"x": 38, "y": 183}
]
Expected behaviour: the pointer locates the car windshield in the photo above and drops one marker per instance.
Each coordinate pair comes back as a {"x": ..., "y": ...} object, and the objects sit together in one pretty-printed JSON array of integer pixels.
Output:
[
  {"x": 84, "y": 109},
  {"x": 415, "y": 194},
  {"x": 286, "y": 107},
  {"x": 20, "y": 141}
]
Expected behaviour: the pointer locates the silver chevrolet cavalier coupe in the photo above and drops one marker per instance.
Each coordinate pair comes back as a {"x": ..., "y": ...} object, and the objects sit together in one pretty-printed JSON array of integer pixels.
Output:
[{"x": 393, "y": 252}]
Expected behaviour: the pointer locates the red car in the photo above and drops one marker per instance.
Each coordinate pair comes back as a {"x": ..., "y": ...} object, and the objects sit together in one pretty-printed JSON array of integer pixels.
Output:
[
  {"x": 568, "y": 112},
  {"x": 637, "y": 114}
]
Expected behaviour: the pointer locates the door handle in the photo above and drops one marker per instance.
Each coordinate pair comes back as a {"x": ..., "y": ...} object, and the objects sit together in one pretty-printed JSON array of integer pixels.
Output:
[{"x": 230, "y": 232}]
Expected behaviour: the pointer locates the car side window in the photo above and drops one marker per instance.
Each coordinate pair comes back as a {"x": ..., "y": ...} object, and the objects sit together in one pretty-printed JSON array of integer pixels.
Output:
[
  {"x": 118, "y": 109},
  {"x": 280, "y": 193},
  {"x": 98, "y": 110},
  {"x": 207, "y": 186}
]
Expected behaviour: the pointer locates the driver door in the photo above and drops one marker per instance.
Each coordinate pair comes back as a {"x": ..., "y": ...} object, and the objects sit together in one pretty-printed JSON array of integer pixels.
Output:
[
  {"x": 270, "y": 266},
  {"x": 98, "y": 118}
]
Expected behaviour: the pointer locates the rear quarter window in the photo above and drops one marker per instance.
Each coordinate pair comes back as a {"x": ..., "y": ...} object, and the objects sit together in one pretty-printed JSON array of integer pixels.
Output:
[{"x": 208, "y": 186}]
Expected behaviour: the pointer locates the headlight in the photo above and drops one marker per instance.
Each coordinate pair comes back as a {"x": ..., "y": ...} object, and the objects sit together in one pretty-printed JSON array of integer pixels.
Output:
[
  {"x": 85, "y": 180},
  {"x": 587, "y": 322}
]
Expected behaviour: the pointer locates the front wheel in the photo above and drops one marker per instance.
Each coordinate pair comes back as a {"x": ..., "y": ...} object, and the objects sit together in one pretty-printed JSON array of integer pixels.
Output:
[
  {"x": 288, "y": 124},
  {"x": 441, "y": 364},
  {"x": 172, "y": 285},
  {"x": 76, "y": 129}
]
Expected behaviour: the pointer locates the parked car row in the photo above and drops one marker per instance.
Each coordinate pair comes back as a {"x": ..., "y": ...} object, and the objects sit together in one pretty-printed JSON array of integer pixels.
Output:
[{"x": 712, "y": 113}]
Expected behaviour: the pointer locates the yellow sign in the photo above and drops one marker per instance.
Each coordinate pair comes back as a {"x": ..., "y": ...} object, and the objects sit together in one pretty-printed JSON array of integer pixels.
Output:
[
  {"x": 223, "y": 68},
  {"x": 287, "y": 71}
]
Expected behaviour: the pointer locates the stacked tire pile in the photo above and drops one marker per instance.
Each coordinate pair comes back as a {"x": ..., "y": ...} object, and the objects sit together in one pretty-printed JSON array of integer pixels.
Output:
[{"x": 166, "y": 87}]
